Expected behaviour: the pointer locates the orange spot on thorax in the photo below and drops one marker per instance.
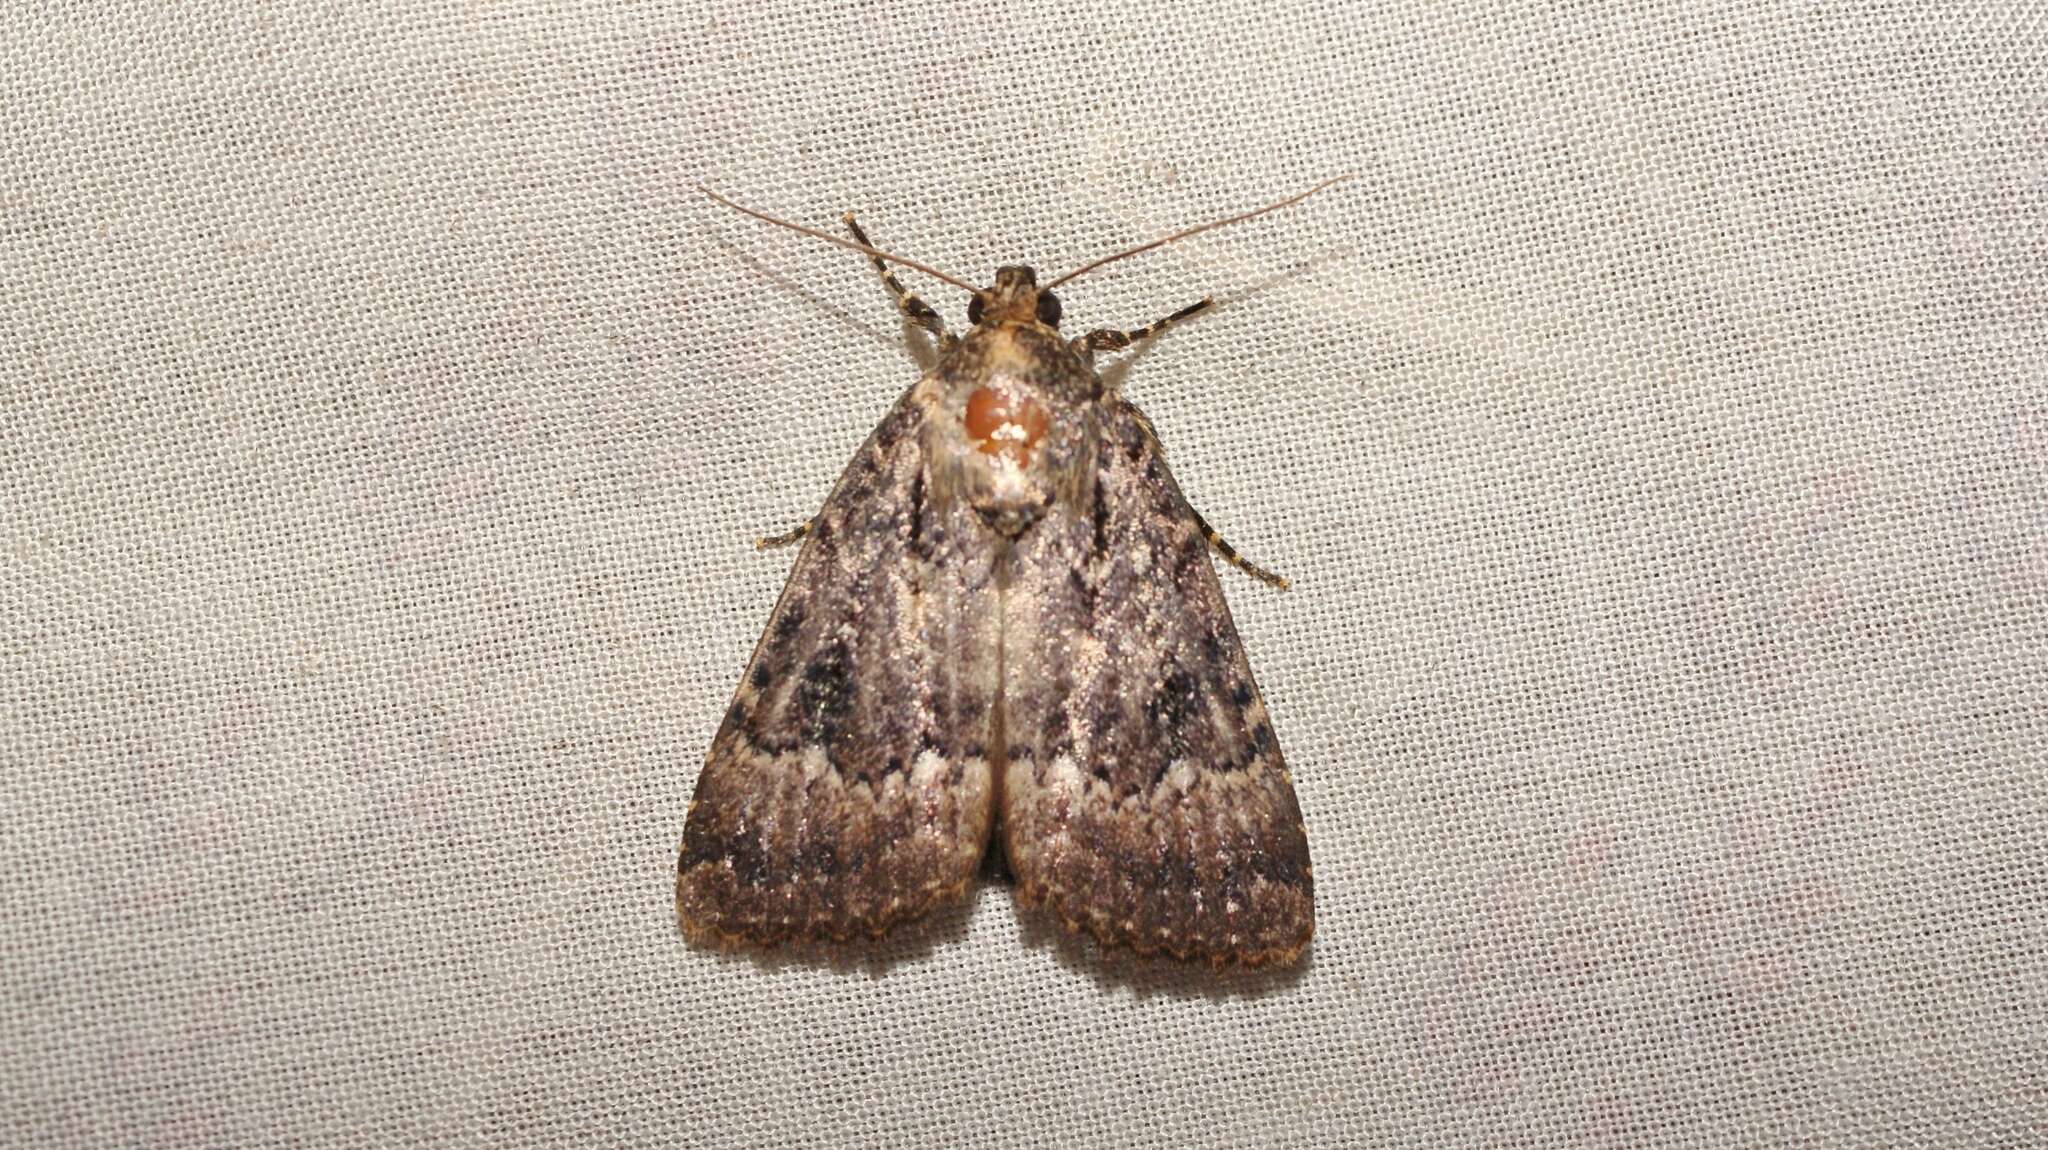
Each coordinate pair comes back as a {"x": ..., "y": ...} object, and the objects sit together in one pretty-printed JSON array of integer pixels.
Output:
[{"x": 1004, "y": 424}]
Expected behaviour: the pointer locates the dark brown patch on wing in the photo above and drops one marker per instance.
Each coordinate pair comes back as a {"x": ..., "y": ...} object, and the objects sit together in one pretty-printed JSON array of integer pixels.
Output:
[
  {"x": 845, "y": 790},
  {"x": 1146, "y": 801}
]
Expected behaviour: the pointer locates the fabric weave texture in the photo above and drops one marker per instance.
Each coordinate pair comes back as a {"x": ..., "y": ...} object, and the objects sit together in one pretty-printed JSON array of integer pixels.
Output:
[{"x": 1655, "y": 432}]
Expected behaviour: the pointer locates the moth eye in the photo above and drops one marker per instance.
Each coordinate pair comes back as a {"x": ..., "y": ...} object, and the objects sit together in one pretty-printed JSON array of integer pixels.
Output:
[
  {"x": 974, "y": 310},
  {"x": 1048, "y": 309}
]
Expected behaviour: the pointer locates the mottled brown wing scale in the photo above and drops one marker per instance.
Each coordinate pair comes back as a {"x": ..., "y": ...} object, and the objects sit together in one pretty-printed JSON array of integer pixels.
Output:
[
  {"x": 849, "y": 787},
  {"x": 1144, "y": 798}
]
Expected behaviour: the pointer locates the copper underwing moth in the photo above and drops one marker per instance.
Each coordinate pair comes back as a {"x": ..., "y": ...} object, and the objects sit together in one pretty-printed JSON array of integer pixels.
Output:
[{"x": 1003, "y": 623}]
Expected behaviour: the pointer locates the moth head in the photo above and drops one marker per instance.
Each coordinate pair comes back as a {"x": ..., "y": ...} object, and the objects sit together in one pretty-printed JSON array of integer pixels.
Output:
[{"x": 1016, "y": 298}]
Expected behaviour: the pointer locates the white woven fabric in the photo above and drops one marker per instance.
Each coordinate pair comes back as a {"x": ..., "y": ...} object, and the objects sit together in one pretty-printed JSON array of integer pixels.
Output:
[{"x": 1656, "y": 432}]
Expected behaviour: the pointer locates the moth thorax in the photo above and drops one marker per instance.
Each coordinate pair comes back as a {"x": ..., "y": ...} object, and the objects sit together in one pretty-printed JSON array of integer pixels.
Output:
[{"x": 1006, "y": 425}]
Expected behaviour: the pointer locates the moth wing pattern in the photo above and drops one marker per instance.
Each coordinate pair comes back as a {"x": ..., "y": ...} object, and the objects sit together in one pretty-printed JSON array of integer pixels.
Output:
[
  {"x": 1144, "y": 798},
  {"x": 848, "y": 787}
]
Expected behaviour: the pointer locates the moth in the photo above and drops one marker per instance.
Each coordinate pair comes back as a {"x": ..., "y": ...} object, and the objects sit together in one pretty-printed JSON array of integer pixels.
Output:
[{"x": 1003, "y": 623}]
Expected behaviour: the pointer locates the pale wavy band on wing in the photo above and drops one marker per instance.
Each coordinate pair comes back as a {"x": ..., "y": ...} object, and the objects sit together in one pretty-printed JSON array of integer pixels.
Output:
[
  {"x": 1144, "y": 798},
  {"x": 849, "y": 787}
]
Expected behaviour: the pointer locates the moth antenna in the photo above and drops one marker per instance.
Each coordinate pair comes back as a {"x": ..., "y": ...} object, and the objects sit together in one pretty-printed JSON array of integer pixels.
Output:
[
  {"x": 832, "y": 239},
  {"x": 1239, "y": 218}
]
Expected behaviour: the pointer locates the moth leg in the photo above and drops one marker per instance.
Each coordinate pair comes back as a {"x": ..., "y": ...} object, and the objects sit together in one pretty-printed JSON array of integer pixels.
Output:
[
  {"x": 1107, "y": 340},
  {"x": 1243, "y": 564},
  {"x": 1223, "y": 548},
  {"x": 914, "y": 309},
  {"x": 788, "y": 537}
]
